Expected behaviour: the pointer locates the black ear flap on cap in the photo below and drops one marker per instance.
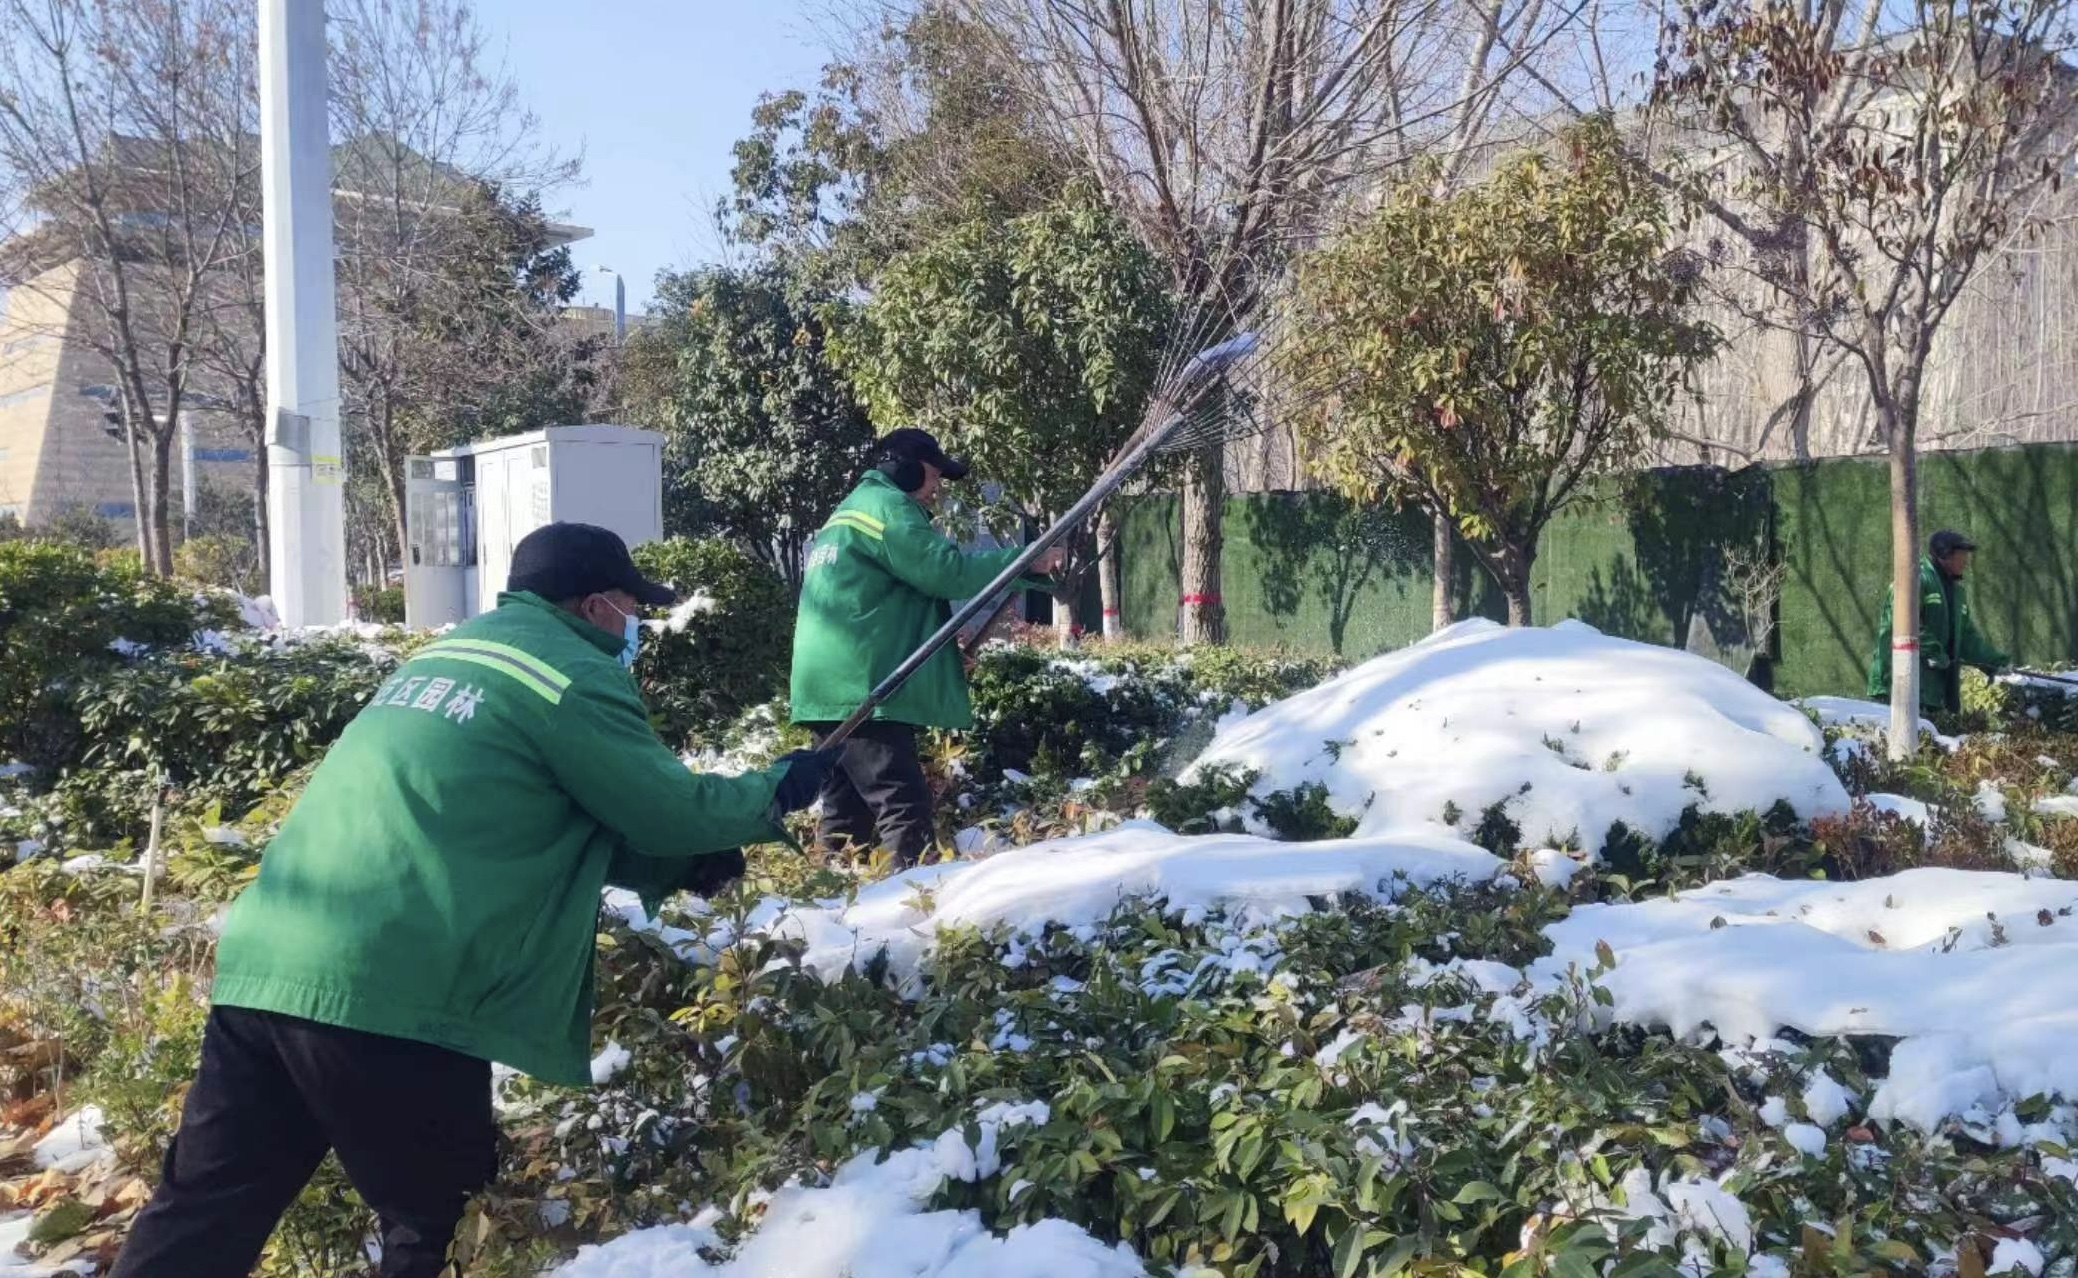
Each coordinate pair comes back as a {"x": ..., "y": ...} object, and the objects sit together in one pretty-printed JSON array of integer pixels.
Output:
[{"x": 907, "y": 472}]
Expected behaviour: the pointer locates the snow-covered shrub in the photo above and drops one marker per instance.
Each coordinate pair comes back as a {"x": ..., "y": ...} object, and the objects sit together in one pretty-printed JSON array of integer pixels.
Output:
[
  {"x": 725, "y": 648},
  {"x": 1132, "y": 707},
  {"x": 63, "y": 617},
  {"x": 1574, "y": 731},
  {"x": 225, "y": 726}
]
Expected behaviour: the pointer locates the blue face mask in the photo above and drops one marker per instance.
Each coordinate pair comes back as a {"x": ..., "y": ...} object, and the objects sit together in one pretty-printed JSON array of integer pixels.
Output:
[{"x": 631, "y": 636}]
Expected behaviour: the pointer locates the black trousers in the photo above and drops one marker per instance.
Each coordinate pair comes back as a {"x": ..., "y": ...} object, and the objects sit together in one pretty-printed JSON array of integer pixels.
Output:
[
  {"x": 411, "y": 1123},
  {"x": 876, "y": 796}
]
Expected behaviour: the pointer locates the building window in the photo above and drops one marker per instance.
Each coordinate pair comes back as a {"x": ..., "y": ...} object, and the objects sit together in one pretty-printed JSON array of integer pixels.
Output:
[
  {"x": 11, "y": 510},
  {"x": 223, "y": 454},
  {"x": 23, "y": 396},
  {"x": 116, "y": 509}
]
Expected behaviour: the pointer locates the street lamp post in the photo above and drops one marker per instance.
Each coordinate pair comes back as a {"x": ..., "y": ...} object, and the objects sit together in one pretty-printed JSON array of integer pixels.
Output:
[{"x": 306, "y": 503}]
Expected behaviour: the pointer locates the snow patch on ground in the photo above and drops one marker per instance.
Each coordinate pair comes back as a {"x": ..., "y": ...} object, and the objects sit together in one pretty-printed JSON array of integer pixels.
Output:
[
  {"x": 74, "y": 1144},
  {"x": 869, "y": 1222},
  {"x": 1970, "y": 970},
  {"x": 1080, "y": 881},
  {"x": 1574, "y": 729}
]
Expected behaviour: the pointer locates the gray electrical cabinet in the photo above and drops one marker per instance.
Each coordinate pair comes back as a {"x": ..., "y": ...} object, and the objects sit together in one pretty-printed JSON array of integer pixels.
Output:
[{"x": 466, "y": 508}]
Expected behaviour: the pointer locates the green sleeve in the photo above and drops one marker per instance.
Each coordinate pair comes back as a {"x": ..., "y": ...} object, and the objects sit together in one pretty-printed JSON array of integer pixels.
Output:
[
  {"x": 1933, "y": 621},
  {"x": 654, "y": 878},
  {"x": 1977, "y": 650},
  {"x": 606, "y": 756},
  {"x": 927, "y": 559}
]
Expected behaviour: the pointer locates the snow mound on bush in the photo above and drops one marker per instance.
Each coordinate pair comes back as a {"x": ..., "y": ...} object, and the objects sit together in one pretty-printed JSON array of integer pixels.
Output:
[
  {"x": 1574, "y": 729},
  {"x": 1080, "y": 881},
  {"x": 869, "y": 1222},
  {"x": 1971, "y": 970},
  {"x": 1853, "y": 715}
]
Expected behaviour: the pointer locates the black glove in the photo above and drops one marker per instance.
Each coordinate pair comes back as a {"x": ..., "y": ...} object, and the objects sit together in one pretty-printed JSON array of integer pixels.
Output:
[
  {"x": 712, "y": 873},
  {"x": 803, "y": 781}
]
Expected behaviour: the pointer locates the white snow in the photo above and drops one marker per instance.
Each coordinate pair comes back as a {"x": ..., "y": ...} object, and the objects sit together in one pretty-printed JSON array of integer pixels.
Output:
[
  {"x": 1913, "y": 810},
  {"x": 1969, "y": 969},
  {"x": 1080, "y": 881},
  {"x": 2062, "y": 805},
  {"x": 682, "y": 616},
  {"x": 1806, "y": 1139},
  {"x": 869, "y": 1222},
  {"x": 1825, "y": 1100},
  {"x": 74, "y": 1144},
  {"x": 2063, "y": 686},
  {"x": 1686, "y": 1210},
  {"x": 14, "y": 1231},
  {"x": 1991, "y": 801},
  {"x": 611, "y": 1060},
  {"x": 2015, "y": 1255},
  {"x": 1861, "y": 718},
  {"x": 258, "y": 611},
  {"x": 1574, "y": 729},
  {"x": 1553, "y": 868}
]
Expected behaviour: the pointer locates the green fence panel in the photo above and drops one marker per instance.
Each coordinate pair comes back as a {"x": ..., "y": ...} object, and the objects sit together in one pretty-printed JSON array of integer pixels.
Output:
[
  {"x": 1646, "y": 557},
  {"x": 1833, "y": 518}
]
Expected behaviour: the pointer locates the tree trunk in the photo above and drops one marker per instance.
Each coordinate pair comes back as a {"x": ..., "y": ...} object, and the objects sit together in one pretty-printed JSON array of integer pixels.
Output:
[
  {"x": 1110, "y": 589},
  {"x": 1514, "y": 577},
  {"x": 393, "y": 488},
  {"x": 144, "y": 528},
  {"x": 157, "y": 482},
  {"x": 1202, "y": 616},
  {"x": 260, "y": 531},
  {"x": 1904, "y": 584},
  {"x": 1065, "y": 629},
  {"x": 1441, "y": 611}
]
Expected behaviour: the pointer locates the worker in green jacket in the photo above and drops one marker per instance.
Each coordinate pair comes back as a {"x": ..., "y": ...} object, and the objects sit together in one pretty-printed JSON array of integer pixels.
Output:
[
  {"x": 1948, "y": 634},
  {"x": 430, "y": 906},
  {"x": 878, "y": 581}
]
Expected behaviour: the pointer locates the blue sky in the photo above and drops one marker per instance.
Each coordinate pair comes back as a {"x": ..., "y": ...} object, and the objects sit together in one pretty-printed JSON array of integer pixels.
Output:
[{"x": 655, "y": 92}]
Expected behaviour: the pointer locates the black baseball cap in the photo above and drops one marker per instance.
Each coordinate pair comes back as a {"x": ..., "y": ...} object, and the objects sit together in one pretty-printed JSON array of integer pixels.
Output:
[
  {"x": 1947, "y": 542},
  {"x": 911, "y": 444},
  {"x": 570, "y": 561}
]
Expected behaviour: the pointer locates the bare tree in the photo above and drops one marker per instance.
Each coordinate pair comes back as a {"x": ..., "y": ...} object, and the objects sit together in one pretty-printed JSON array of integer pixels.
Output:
[
  {"x": 1226, "y": 131},
  {"x": 120, "y": 158},
  {"x": 433, "y": 140},
  {"x": 1900, "y": 144},
  {"x": 232, "y": 345}
]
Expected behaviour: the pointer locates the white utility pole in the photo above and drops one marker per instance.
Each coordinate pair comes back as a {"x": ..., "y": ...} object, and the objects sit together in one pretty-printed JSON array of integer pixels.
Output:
[
  {"x": 306, "y": 500},
  {"x": 187, "y": 475}
]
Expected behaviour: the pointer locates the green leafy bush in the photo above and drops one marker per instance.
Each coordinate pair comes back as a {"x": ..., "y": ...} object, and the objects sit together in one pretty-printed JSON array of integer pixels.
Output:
[
  {"x": 223, "y": 561},
  {"x": 383, "y": 605},
  {"x": 62, "y": 613},
  {"x": 1142, "y": 708},
  {"x": 218, "y": 727},
  {"x": 710, "y": 664}
]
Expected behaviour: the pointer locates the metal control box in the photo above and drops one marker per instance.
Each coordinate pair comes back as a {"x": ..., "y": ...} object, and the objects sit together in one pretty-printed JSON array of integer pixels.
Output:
[{"x": 467, "y": 507}]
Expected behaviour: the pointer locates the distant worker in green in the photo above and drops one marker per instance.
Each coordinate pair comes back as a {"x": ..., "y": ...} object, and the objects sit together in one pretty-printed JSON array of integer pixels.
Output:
[{"x": 1948, "y": 634}]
